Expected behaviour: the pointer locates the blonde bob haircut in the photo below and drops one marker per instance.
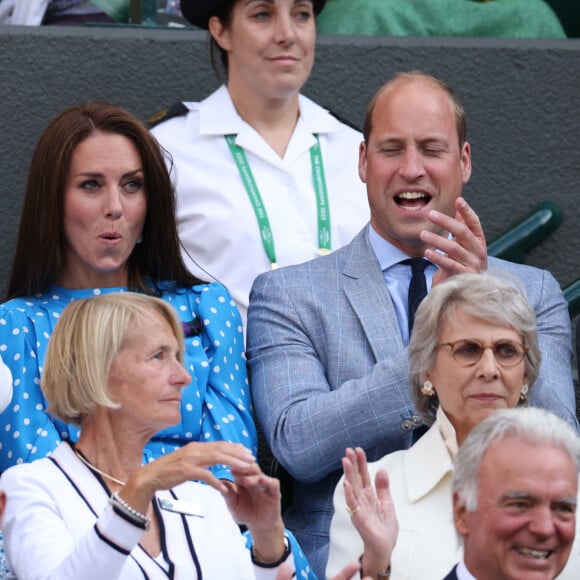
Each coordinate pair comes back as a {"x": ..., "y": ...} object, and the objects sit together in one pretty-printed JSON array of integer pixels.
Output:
[
  {"x": 495, "y": 297},
  {"x": 87, "y": 339}
]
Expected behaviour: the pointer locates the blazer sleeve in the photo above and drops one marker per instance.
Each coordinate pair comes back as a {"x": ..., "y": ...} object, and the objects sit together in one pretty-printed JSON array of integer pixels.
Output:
[
  {"x": 307, "y": 420},
  {"x": 33, "y": 519},
  {"x": 554, "y": 389}
]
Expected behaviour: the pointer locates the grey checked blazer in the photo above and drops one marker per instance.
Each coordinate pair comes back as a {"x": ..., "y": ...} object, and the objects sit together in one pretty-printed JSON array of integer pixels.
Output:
[{"x": 328, "y": 370}]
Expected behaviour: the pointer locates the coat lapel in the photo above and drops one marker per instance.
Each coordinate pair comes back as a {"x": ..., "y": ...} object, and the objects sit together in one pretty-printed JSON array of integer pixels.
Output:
[
  {"x": 427, "y": 462},
  {"x": 96, "y": 498}
]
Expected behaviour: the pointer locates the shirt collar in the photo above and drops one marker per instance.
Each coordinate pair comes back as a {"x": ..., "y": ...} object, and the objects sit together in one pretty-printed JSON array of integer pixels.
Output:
[
  {"x": 427, "y": 462},
  {"x": 218, "y": 116},
  {"x": 387, "y": 254},
  {"x": 462, "y": 572},
  {"x": 447, "y": 432}
]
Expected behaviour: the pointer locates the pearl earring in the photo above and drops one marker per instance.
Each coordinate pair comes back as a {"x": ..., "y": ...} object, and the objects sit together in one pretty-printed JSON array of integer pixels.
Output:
[
  {"x": 524, "y": 393},
  {"x": 427, "y": 389}
]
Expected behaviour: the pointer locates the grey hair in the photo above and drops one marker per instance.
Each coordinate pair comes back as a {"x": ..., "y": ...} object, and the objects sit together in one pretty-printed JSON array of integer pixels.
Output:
[
  {"x": 495, "y": 297},
  {"x": 532, "y": 425}
]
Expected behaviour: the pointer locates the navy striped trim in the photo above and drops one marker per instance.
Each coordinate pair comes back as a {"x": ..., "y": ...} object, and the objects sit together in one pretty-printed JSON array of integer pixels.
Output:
[
  {"x": 76, "y": 488},
  {"x": 109, "y": 542}
]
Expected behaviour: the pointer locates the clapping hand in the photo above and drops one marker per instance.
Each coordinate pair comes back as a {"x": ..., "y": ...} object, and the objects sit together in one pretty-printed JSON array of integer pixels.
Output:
[
  {"x": 465, "y": 251},
  {"x": 372, "y": 510}
]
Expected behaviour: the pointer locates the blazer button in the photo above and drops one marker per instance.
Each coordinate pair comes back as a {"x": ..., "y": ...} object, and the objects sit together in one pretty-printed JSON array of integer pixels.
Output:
[
  {"x": 407, "y": 425},
  {"x": 415, "y": 419}
]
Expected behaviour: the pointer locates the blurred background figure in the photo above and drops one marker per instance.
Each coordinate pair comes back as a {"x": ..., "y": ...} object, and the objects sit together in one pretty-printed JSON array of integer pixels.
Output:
[
  {"x": 62, "y": 12},
  {"x": 488, "y": 18}
]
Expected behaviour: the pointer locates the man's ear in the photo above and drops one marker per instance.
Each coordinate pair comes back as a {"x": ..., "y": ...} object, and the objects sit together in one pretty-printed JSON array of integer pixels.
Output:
[
  {"x": 465, "y": 162},
  {"x": 362, "y": 161},
  {"x": 460, "y": 516}
]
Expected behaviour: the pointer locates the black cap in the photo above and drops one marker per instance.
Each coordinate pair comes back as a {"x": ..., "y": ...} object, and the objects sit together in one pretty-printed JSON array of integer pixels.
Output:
[{"x": 198, "y": 12}]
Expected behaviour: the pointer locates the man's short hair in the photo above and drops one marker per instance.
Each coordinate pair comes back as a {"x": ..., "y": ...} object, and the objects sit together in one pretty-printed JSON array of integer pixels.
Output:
[
  {"x": 530, "y": 425},
  {"x": 403, "y": 77}
]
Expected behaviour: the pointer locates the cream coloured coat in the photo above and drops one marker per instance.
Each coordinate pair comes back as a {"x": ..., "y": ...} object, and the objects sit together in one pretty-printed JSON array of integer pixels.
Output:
[{"x": 428, "y": 546}]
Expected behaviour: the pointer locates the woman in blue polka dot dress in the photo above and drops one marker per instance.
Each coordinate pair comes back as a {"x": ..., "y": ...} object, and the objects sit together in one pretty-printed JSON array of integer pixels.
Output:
[{"x": 98, "y": 217}]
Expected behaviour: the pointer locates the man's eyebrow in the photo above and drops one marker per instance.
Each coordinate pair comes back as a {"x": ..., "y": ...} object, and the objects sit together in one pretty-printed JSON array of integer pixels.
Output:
[
  {"x": 518, "y": 495},
  {"x": 568, "y": 500},
  {"x": 525, "y": 495}
]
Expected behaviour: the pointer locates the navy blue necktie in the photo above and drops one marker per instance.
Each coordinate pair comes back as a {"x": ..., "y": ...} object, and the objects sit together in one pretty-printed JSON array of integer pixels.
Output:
[{"x": 417, "y": 287}]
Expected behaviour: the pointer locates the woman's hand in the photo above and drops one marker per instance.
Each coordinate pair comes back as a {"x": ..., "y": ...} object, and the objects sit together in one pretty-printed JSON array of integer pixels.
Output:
[
  {"x": 191, "y": 462},
  {"x": 254, "y": 500},
  {"x": 373, "y": 512}
]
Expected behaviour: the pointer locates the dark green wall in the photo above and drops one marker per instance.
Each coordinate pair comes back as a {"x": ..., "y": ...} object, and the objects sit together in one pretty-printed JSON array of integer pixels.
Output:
[{"x": 522, "y": 99}]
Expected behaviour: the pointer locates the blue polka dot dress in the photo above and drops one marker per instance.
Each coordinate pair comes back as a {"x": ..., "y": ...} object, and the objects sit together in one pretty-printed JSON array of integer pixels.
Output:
[{"x": 215, "y": 405}]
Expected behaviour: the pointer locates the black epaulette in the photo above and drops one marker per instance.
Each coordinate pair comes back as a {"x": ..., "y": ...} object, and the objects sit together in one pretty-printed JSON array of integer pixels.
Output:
[
  {"x": 343, "y": 120},
  {"x": 176, "y": 110}
]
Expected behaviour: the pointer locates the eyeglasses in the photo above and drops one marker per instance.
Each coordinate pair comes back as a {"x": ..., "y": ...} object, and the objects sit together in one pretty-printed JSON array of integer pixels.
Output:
[{"x": 469, "y": 352}]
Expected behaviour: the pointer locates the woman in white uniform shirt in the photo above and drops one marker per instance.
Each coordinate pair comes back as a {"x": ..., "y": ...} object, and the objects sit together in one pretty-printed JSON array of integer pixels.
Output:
[{"x": 299, "y": 162}]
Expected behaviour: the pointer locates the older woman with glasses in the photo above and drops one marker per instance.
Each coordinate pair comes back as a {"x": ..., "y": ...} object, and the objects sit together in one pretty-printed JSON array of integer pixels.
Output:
[{"x": 474, "y": 349}]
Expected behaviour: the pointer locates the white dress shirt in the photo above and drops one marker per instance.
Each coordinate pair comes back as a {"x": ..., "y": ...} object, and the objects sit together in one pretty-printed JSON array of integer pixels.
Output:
[{"x": 397, "y": 277}]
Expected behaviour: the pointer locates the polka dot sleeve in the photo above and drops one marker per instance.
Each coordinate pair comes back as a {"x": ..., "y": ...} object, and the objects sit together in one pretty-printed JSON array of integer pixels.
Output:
[
  {"x": 227, "y": 413},
  {"x": 26, "y": 430}
]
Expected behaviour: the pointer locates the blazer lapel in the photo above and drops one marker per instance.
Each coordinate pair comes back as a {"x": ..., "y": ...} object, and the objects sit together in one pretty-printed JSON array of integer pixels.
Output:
[
  {"x": 179, "y": 543},
  {"x": 366, "y": 290},
  {"x": 96, "y": 498}
]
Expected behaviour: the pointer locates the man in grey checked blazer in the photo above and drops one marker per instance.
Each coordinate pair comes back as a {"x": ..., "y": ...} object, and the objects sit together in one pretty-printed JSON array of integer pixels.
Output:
[{"x": 327, "y": 339}]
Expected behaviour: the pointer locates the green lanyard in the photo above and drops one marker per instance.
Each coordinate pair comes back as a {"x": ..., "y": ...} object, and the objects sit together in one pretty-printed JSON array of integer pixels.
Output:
[{"x": 319, "y": 180}]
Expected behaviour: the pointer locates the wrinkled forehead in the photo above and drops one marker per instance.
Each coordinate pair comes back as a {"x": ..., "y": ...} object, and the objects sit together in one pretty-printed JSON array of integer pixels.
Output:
[{"x": 515, "y": 466}]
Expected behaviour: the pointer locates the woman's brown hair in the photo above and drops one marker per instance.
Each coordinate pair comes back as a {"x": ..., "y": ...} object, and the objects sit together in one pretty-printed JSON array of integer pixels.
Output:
[{"x": 40, "y": 248}]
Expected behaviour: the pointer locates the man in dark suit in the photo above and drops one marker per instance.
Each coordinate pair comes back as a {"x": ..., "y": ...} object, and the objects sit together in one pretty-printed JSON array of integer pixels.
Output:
[
  {"x": 515, "y": 489},
  {"x": 327, "y": 339}
]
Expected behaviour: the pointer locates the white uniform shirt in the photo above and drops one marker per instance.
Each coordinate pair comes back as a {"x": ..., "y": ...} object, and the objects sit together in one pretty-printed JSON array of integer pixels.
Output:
[{"x": 217, "y": 224}]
